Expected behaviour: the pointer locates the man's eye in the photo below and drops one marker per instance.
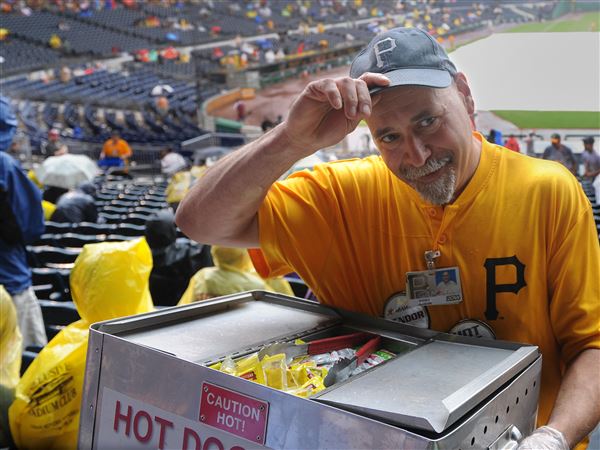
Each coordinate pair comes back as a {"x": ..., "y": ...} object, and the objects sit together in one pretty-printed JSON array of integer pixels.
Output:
[
  {"x": 427, "y": 122},
  {"x": 388, "y": 138}
]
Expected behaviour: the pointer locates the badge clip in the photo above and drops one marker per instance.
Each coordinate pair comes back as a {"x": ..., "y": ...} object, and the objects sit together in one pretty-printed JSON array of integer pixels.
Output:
[{"x": 430, "y": 256}]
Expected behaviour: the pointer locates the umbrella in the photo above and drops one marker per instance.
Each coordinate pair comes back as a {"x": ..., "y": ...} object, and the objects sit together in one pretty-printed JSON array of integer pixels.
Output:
[
  {"x": 66, "y": 171},
  {"x": 161, "y": 89}
]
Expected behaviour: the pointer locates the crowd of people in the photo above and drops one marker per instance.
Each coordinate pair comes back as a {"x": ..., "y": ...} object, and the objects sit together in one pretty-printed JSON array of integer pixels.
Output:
[{"x": 108, "y": 280}]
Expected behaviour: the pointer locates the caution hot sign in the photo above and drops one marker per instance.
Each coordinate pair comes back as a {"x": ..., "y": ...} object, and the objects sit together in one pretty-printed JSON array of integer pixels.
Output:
[{"x": 233, "y": 412}]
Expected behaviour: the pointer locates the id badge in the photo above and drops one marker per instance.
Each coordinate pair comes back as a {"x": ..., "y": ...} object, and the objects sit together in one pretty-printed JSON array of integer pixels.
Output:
[{"x": 434, "y": 287}]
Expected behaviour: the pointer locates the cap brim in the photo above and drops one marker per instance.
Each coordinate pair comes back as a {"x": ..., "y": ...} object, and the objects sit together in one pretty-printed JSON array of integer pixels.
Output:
[{"x": 416, "y": 77}]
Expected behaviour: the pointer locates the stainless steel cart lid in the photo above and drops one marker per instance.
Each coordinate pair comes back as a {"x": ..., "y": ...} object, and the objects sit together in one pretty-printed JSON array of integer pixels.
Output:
[
  {"x": 227, "y": 326},
  {"x": 432, "y": 386}
]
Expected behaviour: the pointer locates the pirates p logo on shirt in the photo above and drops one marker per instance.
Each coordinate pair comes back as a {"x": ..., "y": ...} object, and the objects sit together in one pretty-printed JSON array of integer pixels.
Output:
[{"x": 397, "y": 309}]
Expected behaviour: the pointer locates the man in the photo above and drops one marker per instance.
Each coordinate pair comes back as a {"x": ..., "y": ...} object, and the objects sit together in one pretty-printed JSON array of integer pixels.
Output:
[
  {"x": 446, "y": 286},
  {"x": 561, "y": 153},
  {"x": 353, "y": 229},
  {"x": 77, "y": 205},
  {"x": 591, "y": 159},
  {"x": 591, "y": 164},
  {"x": 115, "y": 152},
  {"x": 512, "y": 143},
  {"x": 21, "y": 223},
  {"x": 54, "y": 146}
]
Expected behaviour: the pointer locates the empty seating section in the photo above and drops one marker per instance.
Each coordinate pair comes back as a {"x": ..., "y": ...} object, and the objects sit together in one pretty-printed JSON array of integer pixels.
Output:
[
  {"x": 78, "y": 37},
  {"x": 52, "y": 256}
]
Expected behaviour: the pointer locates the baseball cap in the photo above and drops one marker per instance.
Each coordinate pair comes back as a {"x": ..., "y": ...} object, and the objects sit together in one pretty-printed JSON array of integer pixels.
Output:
[
  {"x": 407, "y": 56},
  {"x": 555, "y": 136},
  {"x": 588, "y": 140}
]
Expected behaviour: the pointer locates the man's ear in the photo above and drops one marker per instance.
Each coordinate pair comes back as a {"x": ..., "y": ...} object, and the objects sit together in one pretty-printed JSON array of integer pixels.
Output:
[{"x": 463, "y": 88}]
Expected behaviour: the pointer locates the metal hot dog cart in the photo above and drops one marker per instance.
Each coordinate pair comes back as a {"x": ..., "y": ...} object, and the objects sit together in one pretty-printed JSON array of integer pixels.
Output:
[{"x": 148, "y": 383}]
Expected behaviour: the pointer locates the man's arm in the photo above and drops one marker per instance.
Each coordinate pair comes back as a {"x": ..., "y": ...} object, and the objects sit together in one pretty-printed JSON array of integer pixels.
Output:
[
  {"x": 222, "y": 207},
  {"x": 577, "y": 409}
]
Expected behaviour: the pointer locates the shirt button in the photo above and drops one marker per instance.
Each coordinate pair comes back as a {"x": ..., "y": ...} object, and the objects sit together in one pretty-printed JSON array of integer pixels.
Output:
[
  {"x": 442, "y": 239},
  {"x": 432, "y": 212}
]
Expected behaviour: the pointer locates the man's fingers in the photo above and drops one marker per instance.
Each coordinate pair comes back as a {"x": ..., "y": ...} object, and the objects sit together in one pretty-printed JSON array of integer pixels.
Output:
[
  {"x": 374, "y": 79},
  {"x": 326, "y": 90},
  {"x": 347, "y": 87},
  {"x": 364, "y": 98}
]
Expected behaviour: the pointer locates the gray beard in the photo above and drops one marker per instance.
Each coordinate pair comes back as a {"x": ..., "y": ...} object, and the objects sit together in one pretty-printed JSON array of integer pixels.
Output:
[{"x": 438, "y": 192}]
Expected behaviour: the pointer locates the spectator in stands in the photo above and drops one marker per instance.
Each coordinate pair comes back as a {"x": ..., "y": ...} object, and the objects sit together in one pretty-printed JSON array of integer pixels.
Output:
[
  {"x": 560, "y": 153},
  {"x": 233, "y": 273},
  {"x": 240, "y": 110},
  {"x": 21, "y": 223},
  {"x": 77, "y": 205},
  {"x": 109, "y": 280},
  {"x": 173, "y": 262},
  {"x": 115, "y": 152},
  {"x": 530, "y": 142},
  {"x": 55, "y": 42},
  {"x": 9, "y": 124},
  {"x": 512, "y": 144},
  {"x": 353, "y": 229},
  {"x": 11, "y": 343},
  {"x": 590, "y": 159},
  {"x": 171, "y": 162},
  {"x": 55, "y": 146}
]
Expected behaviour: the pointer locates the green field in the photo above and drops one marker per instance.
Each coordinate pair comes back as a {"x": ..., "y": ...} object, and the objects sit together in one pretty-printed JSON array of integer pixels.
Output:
[
  {"x": 585, "y": 22},
  {"x": 551, "y": 119}
]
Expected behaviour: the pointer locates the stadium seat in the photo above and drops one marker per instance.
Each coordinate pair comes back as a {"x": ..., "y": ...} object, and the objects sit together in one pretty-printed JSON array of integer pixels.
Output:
[
  {"x": 57, "y": 227},
  {"x": 119, "y": 238},
  {"x": 46, "y": 256},
  {"x": 78, "y": 240},
  {"x": 57, "y": 315},
  {"x": 130, "y": 229},
  {"x": 137, "y": 219},
  {"x": 90, "y": 228}
]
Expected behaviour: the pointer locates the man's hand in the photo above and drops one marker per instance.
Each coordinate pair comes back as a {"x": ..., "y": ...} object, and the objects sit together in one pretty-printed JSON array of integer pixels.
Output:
[
  {"x": 544, "y": 438},
  {"x": 329, "y": 109}
]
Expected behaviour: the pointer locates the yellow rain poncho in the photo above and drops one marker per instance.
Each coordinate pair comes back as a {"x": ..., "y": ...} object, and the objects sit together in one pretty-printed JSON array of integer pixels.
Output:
[
  {"x": 11, "y": 344},
  {"x": 109, "y": 280},
  {"x": 233, "y": 273},
  {"x": 11, "y": 341}
]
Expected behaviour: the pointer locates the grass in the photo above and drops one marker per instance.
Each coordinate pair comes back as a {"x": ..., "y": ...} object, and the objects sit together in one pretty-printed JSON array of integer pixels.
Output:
[
  {"x": 585, "y": 22},
  {"x": 552, "y": 119}
]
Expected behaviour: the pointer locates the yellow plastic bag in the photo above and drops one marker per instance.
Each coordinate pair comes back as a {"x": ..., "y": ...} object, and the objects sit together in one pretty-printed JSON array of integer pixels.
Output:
[
  {"x": 178, "y": 186},
  {"x": 11, "y": 341},
  {"x": 48, "y": 208},
  {"x": 108, "y": 280}
]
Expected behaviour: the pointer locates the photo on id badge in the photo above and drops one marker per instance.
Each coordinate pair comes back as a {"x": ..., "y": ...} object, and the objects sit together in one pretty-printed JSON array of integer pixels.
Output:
[{"x": 434, "y": 287}]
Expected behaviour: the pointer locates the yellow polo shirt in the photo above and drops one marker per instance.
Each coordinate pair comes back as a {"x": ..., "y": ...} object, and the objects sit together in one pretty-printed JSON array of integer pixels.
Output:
[{"x": 522, "y": 233}]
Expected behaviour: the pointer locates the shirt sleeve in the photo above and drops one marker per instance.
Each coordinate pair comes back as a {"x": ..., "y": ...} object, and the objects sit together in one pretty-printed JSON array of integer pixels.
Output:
[
  {"x": 574, "y": 269},
  {"x": 295, "y": 215}
]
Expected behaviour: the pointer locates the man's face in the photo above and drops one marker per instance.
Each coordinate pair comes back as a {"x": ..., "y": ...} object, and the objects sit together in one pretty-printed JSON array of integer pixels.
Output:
[
  {"x": 555, "y": 142},
  {"x": 424, "y": 136},
  {"x": 588, "y": 147},
  {"x": 445, "y": 277}
]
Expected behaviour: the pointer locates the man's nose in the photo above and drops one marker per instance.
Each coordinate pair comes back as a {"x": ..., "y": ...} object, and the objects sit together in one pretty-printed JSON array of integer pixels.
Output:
[{"x": 416, "y": 152}]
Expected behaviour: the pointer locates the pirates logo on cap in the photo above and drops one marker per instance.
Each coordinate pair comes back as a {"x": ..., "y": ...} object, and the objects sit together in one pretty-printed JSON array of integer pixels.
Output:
[
  {"x": 396, "y": 309},
  {"x": 473, "y": 328},
  {"x": 379, "y": 49}
]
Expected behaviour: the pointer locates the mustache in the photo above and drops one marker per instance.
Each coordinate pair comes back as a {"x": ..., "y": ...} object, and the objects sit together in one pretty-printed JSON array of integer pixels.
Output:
[{"x": 432, "y": 164}]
